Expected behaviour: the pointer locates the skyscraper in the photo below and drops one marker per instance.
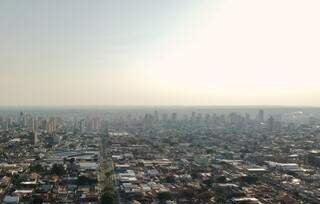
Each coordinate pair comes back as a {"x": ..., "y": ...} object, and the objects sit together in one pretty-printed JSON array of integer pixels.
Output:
[
  {"x": 174, "y": 117},
  {"x": 270, "y": 123},
  {"x": 35, "y": 138},
  {"x": 51, "y": 126},
  {"x": 156, "y": 116},
  {"x": 260, "y": 116}
]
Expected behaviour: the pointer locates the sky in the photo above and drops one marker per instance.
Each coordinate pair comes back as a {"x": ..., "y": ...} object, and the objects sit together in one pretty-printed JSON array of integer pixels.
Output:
[{"x": 159, "y": 52}]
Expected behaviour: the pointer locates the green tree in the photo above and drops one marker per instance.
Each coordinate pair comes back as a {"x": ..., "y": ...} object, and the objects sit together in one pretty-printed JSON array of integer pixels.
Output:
[
  {"x": 107, "y": 198},
  {"x": 164, "y": 196},
  {"x": 58, "y": 169},
  {"x": 36, "y": 168},
  {"x": 221, "y": 179},
  {"x": 108, "y": 195},
  {"x": 83, "y": 180},
  {"x": 108, "y": 174}
]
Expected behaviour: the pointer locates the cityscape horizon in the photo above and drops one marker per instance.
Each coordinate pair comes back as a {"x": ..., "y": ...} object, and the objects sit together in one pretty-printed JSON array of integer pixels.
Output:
[{"x": 160, "y": 102}]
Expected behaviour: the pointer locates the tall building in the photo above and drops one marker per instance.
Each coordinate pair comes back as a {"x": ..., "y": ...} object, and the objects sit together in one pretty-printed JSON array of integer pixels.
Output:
[
  {"x": 199, "y": 118},
  {"x": 148, "y": 121},
  {"x": 1, "y": 122},
  {"x": 174, "y": 117},
  {"x": 96, "y": 123},
  {"x": 247, "y": 117},
  {"x": 82, "y": 124},
  {"x": 260, "y": 116},
  {"x": 156, "y": 116},
  {"x": 35, "y": 138},
  {"x": 21, "y": 118},
  {"x": 164, "y": 117},
  {"x": 44, "y": 124},
  {"x": 193, "y": 117},
  {"x": 185, "y": 117},
  {"x": 31, "y": 123},
  {"x": 207, "y": 117},
  {"x": 270, "y": 124},
  {"x": 51, "y": 126},
  {"x": 7, "y": 124}
]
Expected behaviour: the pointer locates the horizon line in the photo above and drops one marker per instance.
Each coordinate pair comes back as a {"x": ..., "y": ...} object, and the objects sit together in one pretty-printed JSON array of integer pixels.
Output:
[{"x": 154, "y": 106}]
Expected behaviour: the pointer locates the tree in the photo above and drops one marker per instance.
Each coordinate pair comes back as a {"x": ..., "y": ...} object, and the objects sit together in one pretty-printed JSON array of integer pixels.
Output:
[
  {"x": 36, "y": 199},
  {"x": 108, "y": 195},
  {"x": 107, "y": 198},
  {"x": 164, "y": 196},
  {"x": 250, "y": 179},
  {"x": 194, "y": 175},
  {"x": 208, "y": 182},
  {"x": 36, "y": 168},
  {"x": 83, "y": 180},
  {"x": 109, "y": 189},
  {"x": 58, "y": 169},
  {"x": 16, "y": 179},
  {"x": 221, "y": 179},
  {"x": 205, "y": 195},
  {"x": 170, "y": 179},
  {"x": 210, "y": 151},
  {"x": 108, "y": 174}
]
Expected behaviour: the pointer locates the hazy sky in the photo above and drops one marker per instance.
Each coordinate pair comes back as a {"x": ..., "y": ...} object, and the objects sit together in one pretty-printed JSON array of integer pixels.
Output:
[{"x": 160, "y": 52}]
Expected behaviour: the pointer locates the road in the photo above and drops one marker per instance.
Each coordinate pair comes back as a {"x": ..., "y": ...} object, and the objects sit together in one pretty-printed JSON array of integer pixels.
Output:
[{"x": 108, "y": 166}]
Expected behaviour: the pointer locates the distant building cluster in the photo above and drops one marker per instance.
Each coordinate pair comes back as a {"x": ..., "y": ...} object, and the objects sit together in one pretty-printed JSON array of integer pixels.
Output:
[{"x": 160, "y": 156}]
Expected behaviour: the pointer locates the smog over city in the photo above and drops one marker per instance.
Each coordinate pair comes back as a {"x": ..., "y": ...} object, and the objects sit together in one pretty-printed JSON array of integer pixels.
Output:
[{"x": 159, "y": 102}]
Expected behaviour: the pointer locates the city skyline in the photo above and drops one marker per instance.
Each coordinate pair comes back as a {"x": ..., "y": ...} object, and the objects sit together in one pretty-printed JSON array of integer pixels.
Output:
[
  {"x": 170, "y": 155},
  {"x": 159, "y": 101},
  {"x": 159, "y": 53}
]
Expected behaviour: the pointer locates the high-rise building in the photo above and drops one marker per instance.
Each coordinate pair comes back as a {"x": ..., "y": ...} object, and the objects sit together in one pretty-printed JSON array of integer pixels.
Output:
[
  {"x": 247, "y": 117},
  {"x": 148, "y": 121},
  {"x": 156, "y": 116},
  {"x": 51, "y": 126},
  {"x": 193, "y": 117},
  {"x": 35, "y": 138},
  {"x": 31, "y": 123},
  {"x": 185, "y": 117},
  {"x": 260, "y": 116},
  {"x": 96, "y": 123},
  {"x": 44, "y": 124},
  {"x": 1, "y": 122},
  {"x": 21, "y": 118},
  {"x": 82, "y": 124},
  {"x": 164, "y": 117},
  {"x": 270, "y": 124},
  {"x": 207, "y": 118},
  {"x": 199, "y": 118},
  {"x": 174, "y": 117}
]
